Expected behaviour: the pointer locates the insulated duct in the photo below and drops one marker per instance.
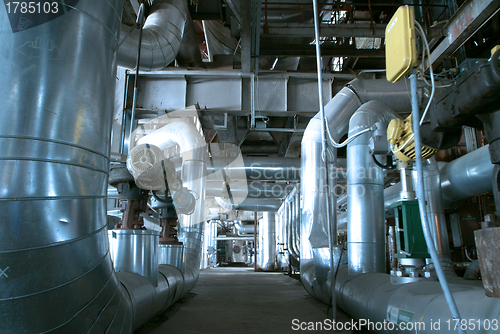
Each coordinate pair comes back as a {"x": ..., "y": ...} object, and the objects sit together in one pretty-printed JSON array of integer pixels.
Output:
[
  {"x": 315, "y": 254},
  {"x": 467, "y": 176},
  {"x": 266, "y": 255},
  {"x": 251, "y": 204},
  {"x": 470, "y": 175},
  {"x": 57, "y": 85},
  {"x": 365, "y": 186},
  {"x": 374, "y": 299},
  {"x": 168, "y": 30}
]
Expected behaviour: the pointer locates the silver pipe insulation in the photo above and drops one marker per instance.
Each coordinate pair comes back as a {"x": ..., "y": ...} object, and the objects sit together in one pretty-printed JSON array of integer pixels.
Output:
[
  {"x": 250, "y": 189},
  {"x": 251, "y": 204},
  {"x": 266, "y": 254},
  {"x": 314, "y": 262},
  {"x": 373, "y": 298},
  {"x": 167, "y": 26},
  {"x": 55, "y": 125},
  {"x": 244, "y": 229},
  {"x": 467, "y": 176},
  {"x": 435, "y": 209},
  {"x": 365, "y": 186}
]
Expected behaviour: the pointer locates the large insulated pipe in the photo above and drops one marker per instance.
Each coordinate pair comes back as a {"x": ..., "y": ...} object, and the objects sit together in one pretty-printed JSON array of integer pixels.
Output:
[
  {"x": 267, "y": 242},
  {"x": 250, "y": 189},
  {"x": 314, "y": 231},
  {"x": 270, "y": 168},
  {"x": 419, "y": 306},
  {"x": 365, "y": 186},
  {"x": 470, "y": 175},
  {"x": 194, "y": 160},
  {"x": 162, "y": 37},
  {"x": 58, "y": 79},
  {"x": 251, "y": 204},
  {"x": 435, "y": 209},
  {"x": 467, "y": 176}
]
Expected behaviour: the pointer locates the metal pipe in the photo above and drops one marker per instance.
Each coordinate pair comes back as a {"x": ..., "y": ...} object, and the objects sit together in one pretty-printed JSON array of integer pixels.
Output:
[
  {"x": 421, "y": 203},
  {"x": 243, "y": 229},
  {"x": 136, "y": 79},
  {"x": 253, "y": 189},
  {"x": 251, "y": 204},
  {"x": 365, "y": 186},
  {"x": 314, "y": 263},
  {"x": 435, "y": 210},
  {"x": 373, "y": 298},
  {"x": 163, "y": 33},
  {"x": 467, "y": 176},
  {"x": 58, "y": 79},
  {"x": 267, "y": 244}
]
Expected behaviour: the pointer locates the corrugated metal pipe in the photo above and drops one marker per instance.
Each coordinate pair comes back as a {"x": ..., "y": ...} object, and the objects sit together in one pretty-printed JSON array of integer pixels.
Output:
[
  {"x": 57, "y": 91},
  {"x": 315, "y": 258},
  {"x": 168, "y": 32}
]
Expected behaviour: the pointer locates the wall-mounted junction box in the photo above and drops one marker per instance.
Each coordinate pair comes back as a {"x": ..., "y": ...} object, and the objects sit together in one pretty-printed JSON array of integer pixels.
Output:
[{"x": 400, "y": 45}]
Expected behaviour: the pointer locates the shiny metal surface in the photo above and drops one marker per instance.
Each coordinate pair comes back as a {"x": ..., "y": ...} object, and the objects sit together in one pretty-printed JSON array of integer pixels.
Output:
[
  {"x": 148, "y": 300},
  {"x": 250, "y": 189},
  {"x": 251, "y": 204},
  {"x": 435, "y": 209},
  {"x": 57, "y": 84},
  {"x": 135, "y": 251},
  {"x": 267, "y": 242},
  {"x": 244, "y": 228},
  {"x": 467, "y": 176},
  {"x": 162, "y": 35},
  {"x": 172, "y": 255},
  {"x": 372, "y": 297},
  {"x": 365, "y": 189},
  {"x": 338, "y": 112}
]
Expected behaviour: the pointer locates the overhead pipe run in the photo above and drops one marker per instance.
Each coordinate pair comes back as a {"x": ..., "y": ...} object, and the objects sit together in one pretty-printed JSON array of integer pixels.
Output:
[
  {"x": 251, "y": 204},
  {"x": 168, "y": 30}
]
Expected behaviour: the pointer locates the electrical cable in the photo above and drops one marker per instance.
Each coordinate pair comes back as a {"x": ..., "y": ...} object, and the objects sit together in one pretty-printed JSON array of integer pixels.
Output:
[
  {"x": 420, "y": 191},
  {"x": 348, "y": 140}
]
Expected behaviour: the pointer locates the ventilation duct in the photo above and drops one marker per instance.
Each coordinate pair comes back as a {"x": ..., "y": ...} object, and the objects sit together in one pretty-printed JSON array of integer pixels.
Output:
[
  {"x": 55, "y": 125},
  {"x": 167, "y": 31}
]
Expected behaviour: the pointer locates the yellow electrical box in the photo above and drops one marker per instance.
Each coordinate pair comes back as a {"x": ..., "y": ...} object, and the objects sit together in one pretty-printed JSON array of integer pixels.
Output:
[{"x": 400, "y": 45}]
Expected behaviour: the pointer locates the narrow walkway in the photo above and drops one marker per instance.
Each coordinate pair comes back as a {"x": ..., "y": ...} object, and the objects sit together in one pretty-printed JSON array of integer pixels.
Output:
[{"x": 239, "y": 300}]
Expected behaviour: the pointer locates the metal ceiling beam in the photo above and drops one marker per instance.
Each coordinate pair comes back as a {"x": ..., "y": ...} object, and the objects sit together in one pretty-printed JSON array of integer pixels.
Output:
[
  {"x": 271, "y": 49},
  {"x": 463, "y": 24},
  {"x": 327, "y": 30}
]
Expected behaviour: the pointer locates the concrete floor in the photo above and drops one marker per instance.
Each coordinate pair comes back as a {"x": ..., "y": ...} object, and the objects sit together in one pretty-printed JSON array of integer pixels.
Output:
[{"x": 239, "y": 300}]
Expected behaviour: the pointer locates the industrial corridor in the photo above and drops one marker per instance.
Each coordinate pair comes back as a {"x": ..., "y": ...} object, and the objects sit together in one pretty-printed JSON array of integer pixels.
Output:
[
  {"x": 167, "y": 165},
  {"x": 240, "y": 300}
]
